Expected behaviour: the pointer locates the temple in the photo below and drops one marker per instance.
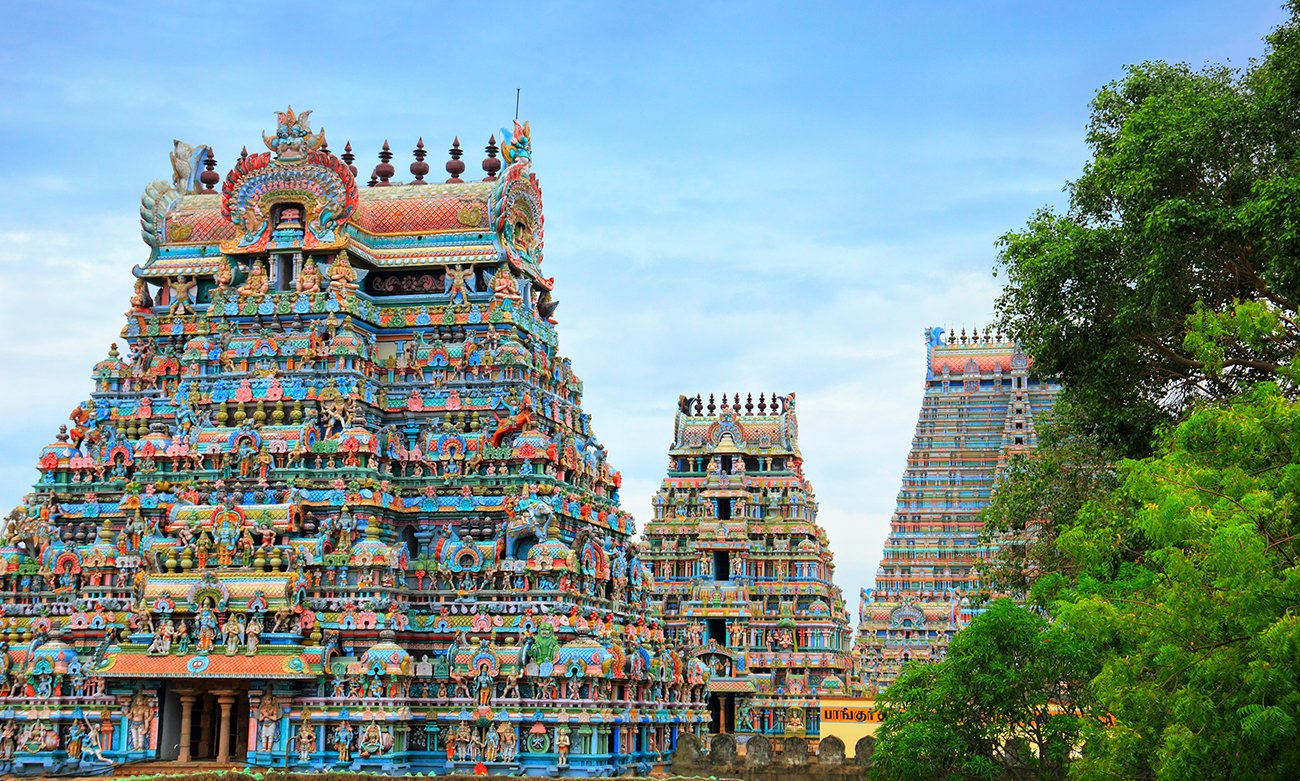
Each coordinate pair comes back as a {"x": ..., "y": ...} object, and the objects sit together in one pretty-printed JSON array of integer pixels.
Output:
[
  {"x": 335, "y": 502},
  {"x": 743, "y": 570},
  {"x": 980, "y": 407}
]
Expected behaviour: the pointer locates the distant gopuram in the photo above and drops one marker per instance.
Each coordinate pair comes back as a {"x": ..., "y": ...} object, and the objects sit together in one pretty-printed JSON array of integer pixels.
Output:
[
  {"x": 743, "y": 570},
  {"x": 979, "y": 408},
  {"x": 335, "y": 502}
]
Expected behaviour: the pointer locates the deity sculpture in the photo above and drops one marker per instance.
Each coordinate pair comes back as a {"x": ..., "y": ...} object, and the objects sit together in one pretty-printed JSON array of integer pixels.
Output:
[
  {"x": 343, "y": 278},
  {"x": 162, "y": 639},
  {"x": 268, "y": 722},
  {"x": 562, "y": 742},
  {"x": 309, "y": 279},
  {"x": 343, "y": 741},
  {"x": 252, "y": 635},
  {"x": 139, "y": 718},
  {"x": 458, "y": 278},
  {"x": 92, "y": 743},
  {"x": 305, "y": 738},
  {"x": 180, "y": 288},
  {"x": 233, "y": 632},
  {"x": 257, "y": 283}
]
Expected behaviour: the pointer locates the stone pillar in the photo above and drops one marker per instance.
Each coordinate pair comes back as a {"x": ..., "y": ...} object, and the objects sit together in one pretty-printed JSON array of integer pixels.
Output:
[
  {"x": 226, "y": 700},
  {"x": 187, "y": 723}
]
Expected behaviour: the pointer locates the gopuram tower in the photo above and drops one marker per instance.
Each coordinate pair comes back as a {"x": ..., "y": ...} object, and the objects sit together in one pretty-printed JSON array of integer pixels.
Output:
[
  {"x": 743, "y": 571},
  {"x": 334, "y": 501},
  {"x": 980, "y": 406}
]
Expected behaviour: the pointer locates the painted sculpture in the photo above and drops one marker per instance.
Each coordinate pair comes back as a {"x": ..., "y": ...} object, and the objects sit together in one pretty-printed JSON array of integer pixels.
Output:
[
  {"x": 336, "y": 493},
  {"x": 979, "y": 408},
  {"x": 743, "y": 572}
]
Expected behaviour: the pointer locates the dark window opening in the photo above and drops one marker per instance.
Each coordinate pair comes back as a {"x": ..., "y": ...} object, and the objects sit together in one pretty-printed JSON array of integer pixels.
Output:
[
  {"x": 716, "y": 629},
  {"x": 283, "y": 270},
  {"x": 726, "y": 465},
  {"x": 721, "y": 565},
  {"x": 722, "y": 713},
  {"x": 724, "y": 509}
]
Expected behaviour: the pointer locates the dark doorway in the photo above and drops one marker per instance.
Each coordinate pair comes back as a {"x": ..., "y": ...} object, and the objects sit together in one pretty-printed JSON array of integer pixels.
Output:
[
  {"x": 726, "y": 465},
  {"x": 721, "y": 565},
  {"x": 205, "y": 728},
  {"x": 722, "y": 713},
  {"x": 205, "y": 723},
  {"x": 717, "y": 630},
  {"x": 412, "y": 542},
  {"x": 724, "y": 509}
]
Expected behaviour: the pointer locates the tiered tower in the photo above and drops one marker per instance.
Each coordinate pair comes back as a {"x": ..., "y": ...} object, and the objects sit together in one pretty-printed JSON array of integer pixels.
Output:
[
  {"x": 338, "y": 503},
  {"x": 980, "y": 407},
  {"x": 744, "y": 572}
]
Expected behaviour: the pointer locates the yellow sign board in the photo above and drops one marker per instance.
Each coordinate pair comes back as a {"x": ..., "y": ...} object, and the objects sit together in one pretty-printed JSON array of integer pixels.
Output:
[{"x": 850, "y": 719}]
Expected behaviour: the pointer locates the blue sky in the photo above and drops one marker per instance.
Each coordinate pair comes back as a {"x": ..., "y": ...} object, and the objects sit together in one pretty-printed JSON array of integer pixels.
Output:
[{"x": 739, "y": 196}]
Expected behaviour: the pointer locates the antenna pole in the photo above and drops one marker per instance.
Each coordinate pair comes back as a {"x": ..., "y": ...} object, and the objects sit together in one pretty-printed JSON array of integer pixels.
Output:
[{"x": 516, "y": 103}]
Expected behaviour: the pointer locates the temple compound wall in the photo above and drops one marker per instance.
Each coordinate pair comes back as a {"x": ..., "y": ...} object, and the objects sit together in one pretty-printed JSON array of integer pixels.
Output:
[
  {"x": 743, "y": 572},
  {"x": 759, "y": 758},
  {"x": 334, "y": 502},
  {"x": 981, "y": 406}
]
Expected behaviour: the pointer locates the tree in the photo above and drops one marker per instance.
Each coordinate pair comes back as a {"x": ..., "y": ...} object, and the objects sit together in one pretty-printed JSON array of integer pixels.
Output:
[
  {"x": 1007, "y": 701},
  {"x": 1037, "y": 496},
  {"x": 1172, "y": 275},
  {"x": 1187, "y": 584},
  {"x": 1166, "y": 299}
]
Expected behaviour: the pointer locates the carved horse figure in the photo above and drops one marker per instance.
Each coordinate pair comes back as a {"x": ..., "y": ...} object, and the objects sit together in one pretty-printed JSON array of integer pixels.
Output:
[{"x": 511, "y": 424}]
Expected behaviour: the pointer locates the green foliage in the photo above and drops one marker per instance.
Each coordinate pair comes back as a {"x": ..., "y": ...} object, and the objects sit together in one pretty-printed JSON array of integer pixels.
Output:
[
  {"x": 1038, "y": 496},
  {"x": 1175, "y": 596},
  {"x": 1157, "y": 523},
  {"x": 1187, "y": 583},
  {"x": 1172, "y": 276},
  {"x": 991, "y": 707}
]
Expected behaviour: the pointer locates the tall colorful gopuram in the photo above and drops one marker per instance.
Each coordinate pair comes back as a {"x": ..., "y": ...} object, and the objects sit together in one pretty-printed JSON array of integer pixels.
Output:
[
  {"x": 980, "y": 406},
  {"x": 743, "y": 571},
  {"x": 335, "y": 502}
]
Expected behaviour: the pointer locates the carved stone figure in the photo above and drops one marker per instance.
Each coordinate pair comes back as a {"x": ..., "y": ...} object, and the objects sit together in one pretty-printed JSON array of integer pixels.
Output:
[
  {"x": 139, "y": 717},
  {"x": 305, "y": 738},
  {"x": 343, "y": 734},
  {"x": 268, "y": 722},
  {"x": 180, "y": 295},
  {"x": 257, "y": 283}
]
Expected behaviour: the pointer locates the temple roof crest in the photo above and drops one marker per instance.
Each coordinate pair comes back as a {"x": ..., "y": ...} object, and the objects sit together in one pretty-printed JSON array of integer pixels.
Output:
[
  {"x": 293, "y": 138},
  {"x": 517, "y": 145}
]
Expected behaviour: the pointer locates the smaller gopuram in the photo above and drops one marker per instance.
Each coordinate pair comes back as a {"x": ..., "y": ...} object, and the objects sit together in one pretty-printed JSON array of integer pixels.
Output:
[
  {"x": 981, "y": 406},
  {"x": 742, "y": 569}
]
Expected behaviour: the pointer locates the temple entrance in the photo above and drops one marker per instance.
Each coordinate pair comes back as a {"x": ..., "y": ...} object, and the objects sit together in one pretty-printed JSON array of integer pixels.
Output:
[
  {"x": 722, "y": 713},
  {"x": 215, "y": 728}
]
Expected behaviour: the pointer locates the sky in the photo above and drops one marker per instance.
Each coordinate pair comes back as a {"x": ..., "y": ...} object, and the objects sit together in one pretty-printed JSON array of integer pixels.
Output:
[{"x": 739, "y": 197}]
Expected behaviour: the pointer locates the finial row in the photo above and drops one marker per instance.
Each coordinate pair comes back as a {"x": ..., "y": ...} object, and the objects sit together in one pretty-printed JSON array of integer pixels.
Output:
[
  {"x": 696, "y": 406},
  {"x": 384, "y": 172},
  {"x": 990, "y": 336}
]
